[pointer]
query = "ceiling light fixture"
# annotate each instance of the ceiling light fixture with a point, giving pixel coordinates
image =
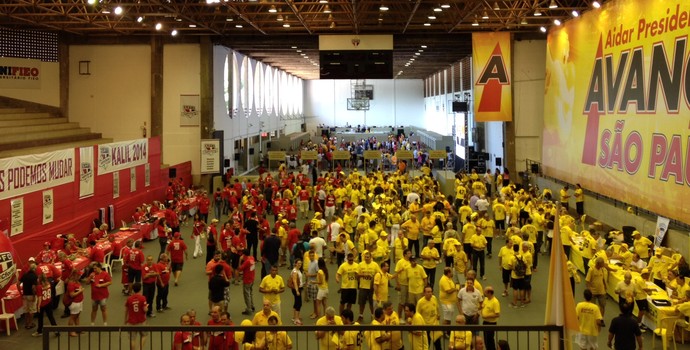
(279, 18)
(496, 7)
(383, 8)
(553, 4)
(557, 22)
(485, 15)
(537, 13)
(332, 25)
(427, 24)
(596, 4)
(330, 17)
(238, 26)
(445, 6)
(475, 23)
(437, 9)
(118, 10)
(423, 46)
(524, 21)
(192, 26)
(327, 9)
(543, 29)
(575, 13)
(229, 19)
(323, 1)
(286, 25)
(91, 2)
(432, 17)
(174, 32)
(105, 11)
(159, 26)
(140, 19)
(272, 9)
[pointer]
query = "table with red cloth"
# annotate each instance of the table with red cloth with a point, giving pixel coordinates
(13, 299)
(147, 230)
(121, 238)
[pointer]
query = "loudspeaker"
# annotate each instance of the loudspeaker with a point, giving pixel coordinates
(447, 149)
(226, 163)
(401, 132)
(459, 106)
(534, 168)
(237, 157)
(172, 173)
(268, 145)
(499, 161)
(251, 151)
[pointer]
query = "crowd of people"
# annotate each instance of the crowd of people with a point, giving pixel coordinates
(381, 231)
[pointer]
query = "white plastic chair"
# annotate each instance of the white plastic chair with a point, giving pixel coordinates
(6, 316)
(105, 265)
(120, 260)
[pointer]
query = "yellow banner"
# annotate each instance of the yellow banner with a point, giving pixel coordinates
(372, 154)
(276, 155)
(341, 155)
(437, 154)
(309, 155)
(616, 105)
(402, 154)
(491, 65)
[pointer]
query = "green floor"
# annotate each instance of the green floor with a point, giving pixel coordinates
(192, 293)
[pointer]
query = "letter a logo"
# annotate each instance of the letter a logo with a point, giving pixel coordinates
(494, 75)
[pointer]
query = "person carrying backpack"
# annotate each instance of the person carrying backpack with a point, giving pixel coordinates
(517, 277)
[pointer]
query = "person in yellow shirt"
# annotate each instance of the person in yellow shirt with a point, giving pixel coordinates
(567, 238)
(378, 339)
(565, 196)
(418, 339)
(277, 340)
(465, 211)
(417, 279)
(459, 262)
(447, 289)
(590, 321)
(504, 261)
(392, 319)
(325, 338)
(413, 228)
(596, 283)
(400, 244)
(271, 287)
(367, 269)
(381, 279)
(478, 243)
(641, 292)
(348, 340)
(428, 307)
(641, 245)
(426, 225)
(402, 282)
(499, 210)
(460, 340)
(430, 259)
(347, 277)
(491, 311)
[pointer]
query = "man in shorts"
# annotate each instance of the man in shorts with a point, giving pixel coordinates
(100, 280)
(367, 269)
(134, 261)
(135, 314)
(447, 295)
(402, 287)
(177, 250)
(347, 277)
(590, 320)
(29, 281)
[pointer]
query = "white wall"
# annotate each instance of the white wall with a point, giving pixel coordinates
(115, 99)
(396, 102)
(529, 62)
(181, 76)
(48, 94)
(494, 143)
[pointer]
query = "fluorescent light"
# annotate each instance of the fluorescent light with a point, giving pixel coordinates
(383, 8)
(543, 29)
(437, 9)
(140, 19)
(423, 46)
(91, 2)
(118, 10)
(475, 23)
(192, 26)
(445, 6)
(485, 15)
(229, 19)
(575, 13)
(279, 18)
(427, 24)
(524, 21)
(238, 26)
(557, 22)
(537, 13)
(596, 4)
(432, 17)
(272, 9)
(553, 4)
(174, 32)
(159, 26)
(286, 25)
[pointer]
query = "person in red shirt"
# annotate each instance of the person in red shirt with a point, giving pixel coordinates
(125, 256)
(163, 232)
(239, 243)
(96, 254)
(211, 240)
(46, 255)
(99, 280)
(76, 300)
(303, 200)
(248, 269)
(204, 205)
(216, 340)
(135, 314)
(226, 199)
(67, 269)
(163, 282)
(45, 304)
(226, 237)
(276, 203)
(291, 211)
(330, 205)
(169, 193)
(178, 254)
(197, 337)
(134, 261)
(183, 340)
(149, 276)
(198, 228)
(292, 238)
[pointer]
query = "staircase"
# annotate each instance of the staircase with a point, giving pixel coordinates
(25, 132)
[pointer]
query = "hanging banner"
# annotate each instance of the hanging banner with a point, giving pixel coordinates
(616, 104)
(147, 175)
(660, 232)
(35, 172)
(86, 172)
(20, 73)
(132, 179)
(491, 66)
(189, 110)
(122, 155)
(210, 156)
(116, 184)
(47, 206)
(17, 216)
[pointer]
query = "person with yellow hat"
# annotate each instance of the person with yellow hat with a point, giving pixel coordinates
(641, 245)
